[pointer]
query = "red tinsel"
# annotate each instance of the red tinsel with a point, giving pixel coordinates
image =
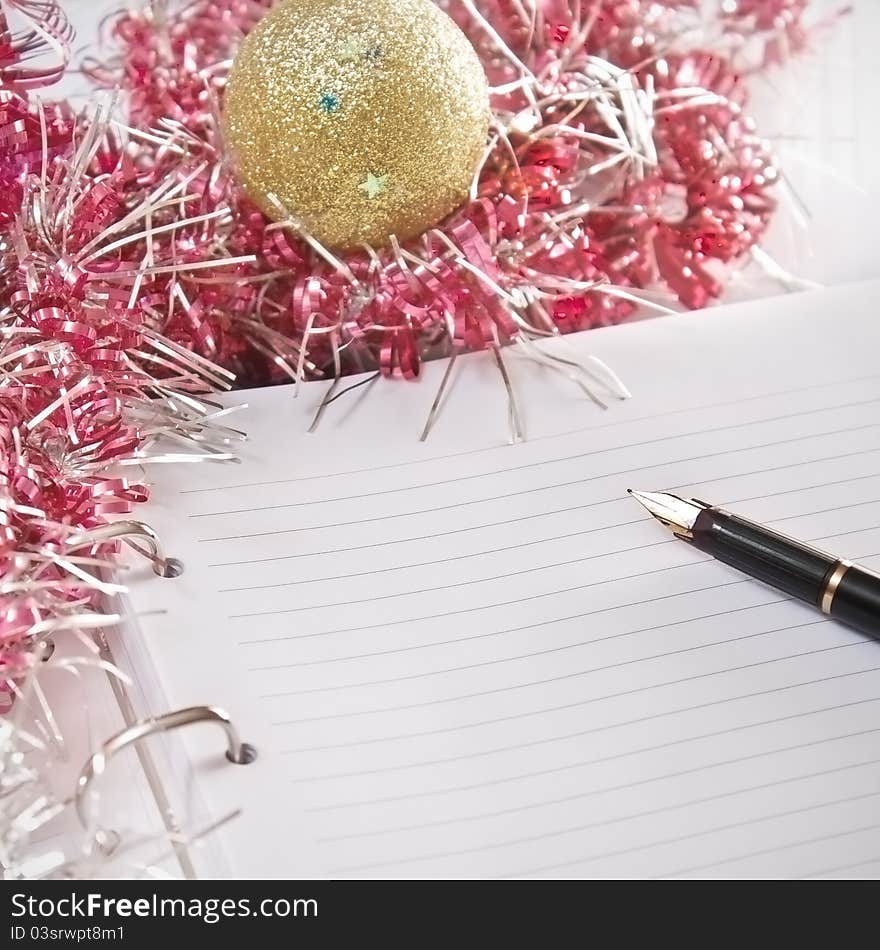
(132, 268)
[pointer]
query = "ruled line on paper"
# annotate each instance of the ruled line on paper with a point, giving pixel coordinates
(532, 571)
(499, 661)
(700, 706)
(766, 851)
(556, 679)
(508, 603)
(434, 563)
(542, 488)
(740, 824)
(547, 622)
(500, 633)
(536, 439)
(840, 868)
(499, 577)
(522, 600)
(592, 453)
(617, 853)
(720, 796)
(336, 776)
(524, 544)
(532, 517)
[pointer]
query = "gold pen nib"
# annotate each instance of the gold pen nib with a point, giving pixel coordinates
(674, 512)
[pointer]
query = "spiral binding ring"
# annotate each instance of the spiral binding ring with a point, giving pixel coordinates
(237, 752)
(130, 532)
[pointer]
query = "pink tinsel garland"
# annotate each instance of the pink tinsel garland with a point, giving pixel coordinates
(132, 269)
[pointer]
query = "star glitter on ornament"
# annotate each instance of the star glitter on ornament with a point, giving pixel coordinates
(330, 102)
(374, 185)
(351, 49)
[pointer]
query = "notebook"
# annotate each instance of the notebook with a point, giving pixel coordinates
(466, 658)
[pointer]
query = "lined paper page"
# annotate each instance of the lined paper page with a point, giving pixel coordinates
(472, 659)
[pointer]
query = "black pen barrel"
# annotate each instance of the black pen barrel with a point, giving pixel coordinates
(783, 563)
(856, 600)
(847, 592)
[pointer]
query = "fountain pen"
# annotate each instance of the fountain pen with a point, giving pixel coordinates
(837, 587)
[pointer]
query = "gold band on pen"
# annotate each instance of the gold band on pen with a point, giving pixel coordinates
(837, 575)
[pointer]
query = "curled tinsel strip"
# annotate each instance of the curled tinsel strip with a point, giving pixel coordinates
(91, 373)
(47, 31)
(620, 161)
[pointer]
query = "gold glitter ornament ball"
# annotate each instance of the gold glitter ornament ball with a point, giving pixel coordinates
(366, 118)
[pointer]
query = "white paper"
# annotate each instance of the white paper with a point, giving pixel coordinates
(472, 659)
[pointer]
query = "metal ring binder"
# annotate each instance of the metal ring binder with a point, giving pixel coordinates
(237, 752)
(128, 531)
